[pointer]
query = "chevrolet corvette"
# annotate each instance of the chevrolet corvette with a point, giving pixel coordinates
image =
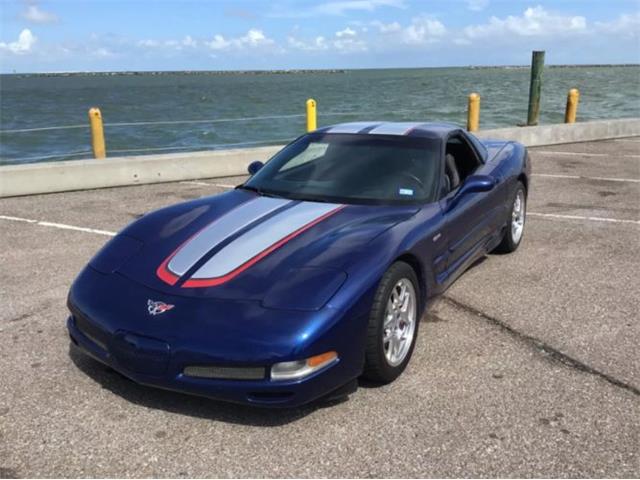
(313, 273)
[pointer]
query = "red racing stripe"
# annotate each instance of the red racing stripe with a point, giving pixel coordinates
(163, 271)
(212, 282)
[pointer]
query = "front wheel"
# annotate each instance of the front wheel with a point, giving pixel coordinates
(393, 324)
(515, 222)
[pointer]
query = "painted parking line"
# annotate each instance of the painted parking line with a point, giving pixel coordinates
(582, 177)
(579, 217)
(61, 226)
(207, 184)
(580, 154)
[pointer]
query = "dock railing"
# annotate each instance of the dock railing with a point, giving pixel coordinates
(98, 140)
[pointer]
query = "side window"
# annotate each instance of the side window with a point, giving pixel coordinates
(460, 162)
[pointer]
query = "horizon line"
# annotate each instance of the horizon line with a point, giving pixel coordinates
(307, 70)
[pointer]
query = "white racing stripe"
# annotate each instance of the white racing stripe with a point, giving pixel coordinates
(227, 225)
(392, 128)
(581, 177)
(578, 217)
(61, 226)
(263, 236)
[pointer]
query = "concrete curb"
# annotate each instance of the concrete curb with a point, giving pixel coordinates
(50, 177)
(566, 132)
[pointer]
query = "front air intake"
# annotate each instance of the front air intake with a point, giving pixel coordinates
(225, 373)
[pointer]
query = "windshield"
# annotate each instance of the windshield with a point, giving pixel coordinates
(352, 168)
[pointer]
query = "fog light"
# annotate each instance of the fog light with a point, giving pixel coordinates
(302, 368)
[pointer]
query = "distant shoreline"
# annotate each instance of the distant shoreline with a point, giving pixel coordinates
(291, 71)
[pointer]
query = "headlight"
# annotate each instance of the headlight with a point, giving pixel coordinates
(304, 289)
(115, 253)
(302, 368)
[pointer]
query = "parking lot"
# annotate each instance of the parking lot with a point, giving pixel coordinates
(527, 367)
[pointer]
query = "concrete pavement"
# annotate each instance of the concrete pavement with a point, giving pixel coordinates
(528, 366)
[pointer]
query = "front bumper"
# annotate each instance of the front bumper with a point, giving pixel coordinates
(158, 366)
(110, 321)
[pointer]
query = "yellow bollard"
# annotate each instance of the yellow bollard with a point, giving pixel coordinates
(572, 106)
(312, 122)
(97, 133)
(473, 113)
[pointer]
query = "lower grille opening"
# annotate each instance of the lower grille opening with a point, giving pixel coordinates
(89, 330)
(269, 396)
(225, 373)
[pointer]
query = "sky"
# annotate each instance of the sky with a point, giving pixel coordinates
(116, 35)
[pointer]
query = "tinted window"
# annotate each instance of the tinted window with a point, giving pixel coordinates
(353, 169)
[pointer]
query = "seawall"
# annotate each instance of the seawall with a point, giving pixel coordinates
(49, 177)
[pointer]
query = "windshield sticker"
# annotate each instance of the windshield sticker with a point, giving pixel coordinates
(405, 191)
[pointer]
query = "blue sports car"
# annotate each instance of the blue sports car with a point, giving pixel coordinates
(311, 274)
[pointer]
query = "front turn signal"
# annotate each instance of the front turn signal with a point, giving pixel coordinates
(297, 369)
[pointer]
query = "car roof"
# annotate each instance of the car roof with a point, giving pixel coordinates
(434, 130)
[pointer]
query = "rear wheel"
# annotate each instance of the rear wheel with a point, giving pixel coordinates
(393, 324)
(515, 223)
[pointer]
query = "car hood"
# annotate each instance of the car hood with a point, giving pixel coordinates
(243, 246)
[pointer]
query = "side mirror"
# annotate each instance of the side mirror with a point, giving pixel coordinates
(254, 167)
(477, 183)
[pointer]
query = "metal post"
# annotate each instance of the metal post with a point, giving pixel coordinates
(572, 106)
(473, 113)
(537, 66)
(312, 123)
(97, 133)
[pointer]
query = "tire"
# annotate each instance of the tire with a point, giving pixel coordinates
(515, 221)
(387, 327)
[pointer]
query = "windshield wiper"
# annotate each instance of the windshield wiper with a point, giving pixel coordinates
(250, 188)
(257, 190)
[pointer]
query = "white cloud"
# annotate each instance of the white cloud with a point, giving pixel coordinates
(254, 38)
(534, 22)
(102, 52)
(148, 43)
(343, 41)
(534, 27)
(339, 7)
(23, 45)
(385, 28)
(477, 5)
(342, 7)
(626, 25)
(423, 30)
(189, 42)
(347, 32)
(347, 41)
(35, 14)
(317, 44)
(218, 43)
